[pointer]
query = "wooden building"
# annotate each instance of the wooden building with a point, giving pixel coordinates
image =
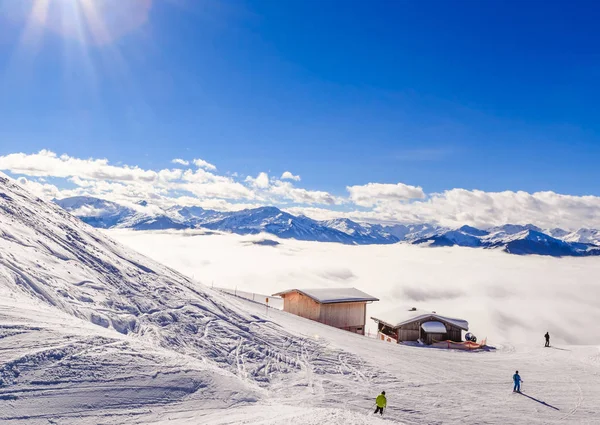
(343, 308)
(426, 327)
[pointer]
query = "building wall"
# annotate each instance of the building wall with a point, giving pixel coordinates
(302, 306)
(408, 335)
(348, 316)
(454, 334)
(430, 338)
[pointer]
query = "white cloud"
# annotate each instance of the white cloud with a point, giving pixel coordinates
(41, 189)
(373, 202)
(497, 306)
(200, 163)
(287, 175)
(46, 163)
(261, 181)
(375, 193)
(302, 196)
(180, 161)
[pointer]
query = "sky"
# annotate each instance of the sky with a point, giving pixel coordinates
(467, 112)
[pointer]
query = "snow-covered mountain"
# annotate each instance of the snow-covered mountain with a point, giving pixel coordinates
(591, 236)
(412, 232)
(362, 233)
(512, 238)
(93, 327)
(96, 212)
(106, 215)
(92, 332)
(282, 224)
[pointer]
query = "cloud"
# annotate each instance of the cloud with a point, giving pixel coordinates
(289, 176)
(200, 163)
(372, 202)
(180, 161)
(47, 163)
(41, 189)
(302, 196)
(414, 293)
(261, 181)
(455, 283)
(375, 193)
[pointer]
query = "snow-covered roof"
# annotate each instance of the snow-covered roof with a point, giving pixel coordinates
(332, 295)
(399, 317)
(434, 327)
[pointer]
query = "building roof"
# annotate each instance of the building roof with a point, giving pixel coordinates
(400, 317)
(434, 327)
(332, 295)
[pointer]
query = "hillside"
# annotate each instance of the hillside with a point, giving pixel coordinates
(92, 332)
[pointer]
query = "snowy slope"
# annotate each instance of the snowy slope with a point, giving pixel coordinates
(589, 236)
(284, 225)
(93, 333)
(50, 259)
(96, 212)
(362, 233)
(513, 239)
(272, 220)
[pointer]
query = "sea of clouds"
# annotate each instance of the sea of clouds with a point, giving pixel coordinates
(507, 298)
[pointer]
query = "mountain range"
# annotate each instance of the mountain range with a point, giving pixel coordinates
(511, 238)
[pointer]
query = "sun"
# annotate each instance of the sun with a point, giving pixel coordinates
(97, 22)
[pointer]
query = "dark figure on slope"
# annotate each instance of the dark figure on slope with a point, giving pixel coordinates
(517, 380)
(381, 403)
(547, 336)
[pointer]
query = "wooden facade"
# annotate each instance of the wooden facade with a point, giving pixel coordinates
(350, 316)
(412, 330)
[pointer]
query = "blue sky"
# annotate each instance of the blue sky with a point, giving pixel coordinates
(490, 96)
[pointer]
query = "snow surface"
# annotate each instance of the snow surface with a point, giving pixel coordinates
(434, 327)
(401, 317)
(332, 295)
(93, 333)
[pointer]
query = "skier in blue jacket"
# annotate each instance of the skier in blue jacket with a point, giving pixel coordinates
(517, 379)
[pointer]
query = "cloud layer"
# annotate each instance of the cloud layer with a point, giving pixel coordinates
(507, 298)
(197, 182)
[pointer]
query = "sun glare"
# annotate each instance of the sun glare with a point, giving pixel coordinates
(98, 22)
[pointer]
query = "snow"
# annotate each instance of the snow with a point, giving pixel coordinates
(513, 239)
(463, 324)
(176, 352)
(399, 317)
(332, 295)
(434, 327)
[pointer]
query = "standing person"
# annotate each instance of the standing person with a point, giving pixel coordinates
(381, 403)
(517, 379)
(547, 336)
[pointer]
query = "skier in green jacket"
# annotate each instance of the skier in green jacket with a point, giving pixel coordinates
(381, 403)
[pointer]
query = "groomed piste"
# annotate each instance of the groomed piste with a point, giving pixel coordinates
(92, 332)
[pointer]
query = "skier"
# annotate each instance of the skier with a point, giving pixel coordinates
(547, 336)
(381, 403)
(517, 379)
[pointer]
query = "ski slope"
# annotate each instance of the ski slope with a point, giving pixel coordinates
(91, 332)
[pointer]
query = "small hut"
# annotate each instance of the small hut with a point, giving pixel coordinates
(343, 308)
(427, 327)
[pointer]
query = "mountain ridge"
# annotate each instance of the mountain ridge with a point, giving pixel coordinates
(518, 239)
